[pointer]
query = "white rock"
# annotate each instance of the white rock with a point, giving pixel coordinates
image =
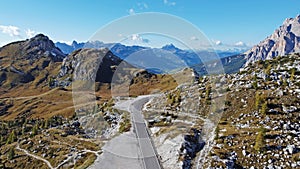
(290, 148)
(286, 127)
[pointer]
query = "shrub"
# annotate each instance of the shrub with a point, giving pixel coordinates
(254, 85)
(268, 70)
(257, 100)
(260, 140)
(11, 154)
(217, 132)
(34, 130)
(292, 74)
(264, 108)
(207, 92)
(11, 138)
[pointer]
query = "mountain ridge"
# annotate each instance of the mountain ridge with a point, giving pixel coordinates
(68, 48)
(27, 61)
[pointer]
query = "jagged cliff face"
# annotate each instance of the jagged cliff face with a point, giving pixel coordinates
(99, 65)
(285, 40)
(87, 61)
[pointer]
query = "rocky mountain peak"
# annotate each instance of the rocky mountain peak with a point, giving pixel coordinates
(76, 45)
(285, 40)
(35, 48)
(42, 45)
(170, 47)
(41, 41)
(29, 62)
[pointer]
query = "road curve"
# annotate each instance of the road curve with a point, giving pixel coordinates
(149, 155)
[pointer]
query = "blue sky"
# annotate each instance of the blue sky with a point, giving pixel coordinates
(229, 21)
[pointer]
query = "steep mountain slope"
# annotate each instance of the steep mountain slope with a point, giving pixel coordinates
(91, 59)
(285, 40)
(260, 117)
(258, 127)
(29, 61)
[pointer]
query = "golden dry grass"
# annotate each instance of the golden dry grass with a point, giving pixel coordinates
(31, 102)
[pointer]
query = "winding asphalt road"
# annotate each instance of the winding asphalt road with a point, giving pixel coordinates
(149, 155)
(133, 149)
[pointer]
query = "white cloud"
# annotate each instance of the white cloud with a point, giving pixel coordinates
(10, 30)
(135, 37)
(167, 2)
(218, 43)
(223, 46)
(30, 33)
(194, 38)
(240, 44)
(138, 38)
(131, 11)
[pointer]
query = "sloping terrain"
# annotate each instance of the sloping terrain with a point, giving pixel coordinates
(258, 127)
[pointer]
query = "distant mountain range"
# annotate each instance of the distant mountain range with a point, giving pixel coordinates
(123, 51)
